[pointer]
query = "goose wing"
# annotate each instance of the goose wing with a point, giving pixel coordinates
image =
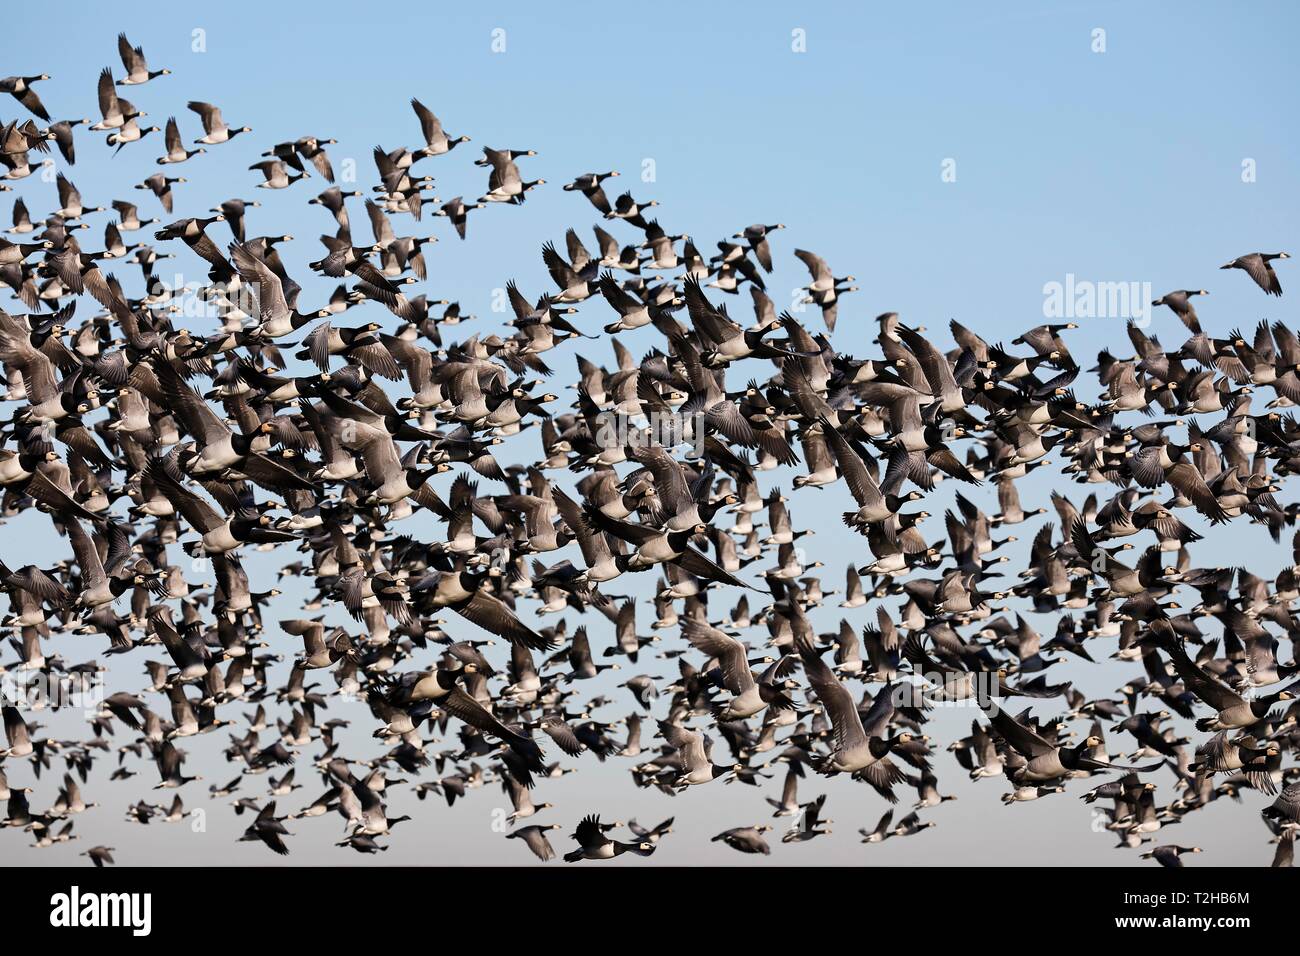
(730, 653)
(689, 744)
(863, 487)
(835, 697)
(491, 614)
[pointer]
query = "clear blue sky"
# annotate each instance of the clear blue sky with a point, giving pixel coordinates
(1124, 165)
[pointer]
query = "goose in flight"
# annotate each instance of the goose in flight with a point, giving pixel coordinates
(594, 845)
(1259, 266)
(215, 130)
(135, 64)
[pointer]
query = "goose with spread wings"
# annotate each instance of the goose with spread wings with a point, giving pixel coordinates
(853, 750)
(1259, 266)
(442, 687)
(1233, 711)
(594, 845)
(461, 590)
(277, 316)
(748, 696)
(726, 341)
(664, 547)
(218, 534)
(221, 453)
(104, 580)
(695, 755)
(1045, 761)
(956, 683)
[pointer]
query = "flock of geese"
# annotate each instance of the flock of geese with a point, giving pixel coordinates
(165, 457)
